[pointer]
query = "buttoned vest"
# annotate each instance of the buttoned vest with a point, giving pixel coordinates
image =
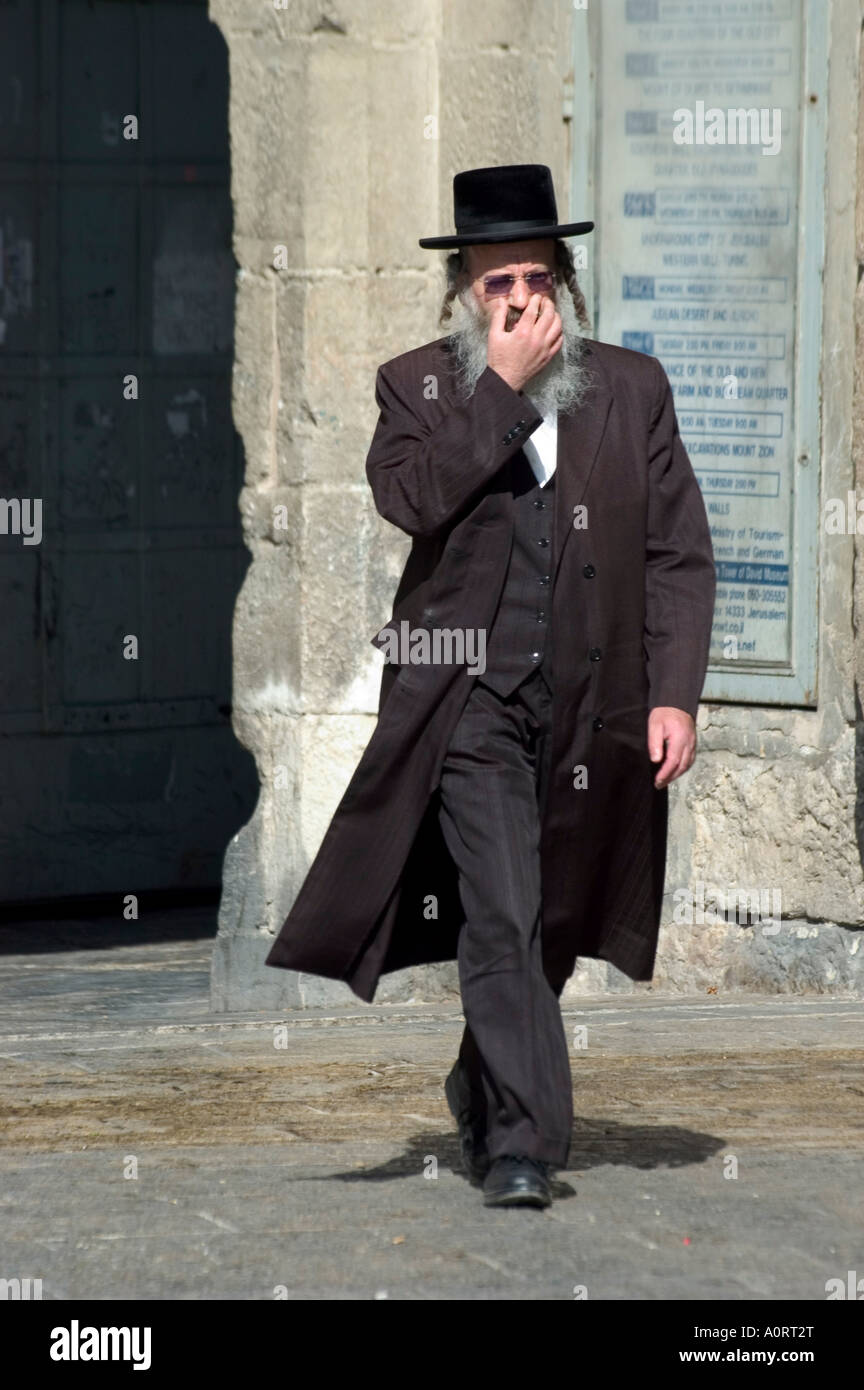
(519, 641)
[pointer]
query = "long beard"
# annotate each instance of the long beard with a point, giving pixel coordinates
(562, 385)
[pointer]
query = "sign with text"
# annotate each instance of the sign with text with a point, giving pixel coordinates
(698, 209)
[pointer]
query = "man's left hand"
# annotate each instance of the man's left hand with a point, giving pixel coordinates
(675, 731)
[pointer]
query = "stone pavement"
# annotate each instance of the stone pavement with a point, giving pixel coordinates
(153, 1150)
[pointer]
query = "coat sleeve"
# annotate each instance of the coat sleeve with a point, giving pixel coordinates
(680, 576)
(422, 477)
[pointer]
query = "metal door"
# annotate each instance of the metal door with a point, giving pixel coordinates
(118, 767)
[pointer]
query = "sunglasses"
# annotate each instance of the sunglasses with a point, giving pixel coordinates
(538, 282)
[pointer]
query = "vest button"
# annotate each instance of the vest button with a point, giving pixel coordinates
(543, 541)
(541, 616)
(594, 654)
(538, 504)
(535, 656)
(544, 580)
(588, 571)
(597, 723)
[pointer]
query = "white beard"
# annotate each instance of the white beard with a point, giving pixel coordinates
(561, 385)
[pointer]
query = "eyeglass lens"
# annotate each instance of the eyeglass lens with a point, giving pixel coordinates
(538, 282)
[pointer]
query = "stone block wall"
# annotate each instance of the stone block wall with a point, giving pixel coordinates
(347, 125)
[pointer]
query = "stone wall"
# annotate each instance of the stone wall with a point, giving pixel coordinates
(773, 801)
(347, 126)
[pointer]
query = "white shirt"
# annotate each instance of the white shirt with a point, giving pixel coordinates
(541, 448)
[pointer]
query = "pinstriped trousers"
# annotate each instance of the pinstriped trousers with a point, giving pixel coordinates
(513, 1060)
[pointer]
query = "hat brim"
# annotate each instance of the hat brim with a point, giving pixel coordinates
(496, 238)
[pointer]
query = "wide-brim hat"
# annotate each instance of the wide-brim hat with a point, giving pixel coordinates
(507, 202)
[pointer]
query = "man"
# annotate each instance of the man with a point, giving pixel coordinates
(507, 812)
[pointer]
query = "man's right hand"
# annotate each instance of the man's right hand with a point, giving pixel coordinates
(519, 355)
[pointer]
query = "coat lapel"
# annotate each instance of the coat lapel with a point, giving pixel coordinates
(579, 438)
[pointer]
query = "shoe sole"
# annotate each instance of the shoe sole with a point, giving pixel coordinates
(518, 1199)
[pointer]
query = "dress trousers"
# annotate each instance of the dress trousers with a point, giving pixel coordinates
(513, 1061)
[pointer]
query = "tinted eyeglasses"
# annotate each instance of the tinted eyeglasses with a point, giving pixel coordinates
(538, 282)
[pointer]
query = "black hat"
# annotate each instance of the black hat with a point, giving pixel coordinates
(509, 202)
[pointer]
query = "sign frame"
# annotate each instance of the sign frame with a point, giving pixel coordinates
(744, 681)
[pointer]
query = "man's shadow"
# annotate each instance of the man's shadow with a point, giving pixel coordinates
(594, 1143)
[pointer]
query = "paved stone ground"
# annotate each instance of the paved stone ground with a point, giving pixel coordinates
(314, 1154)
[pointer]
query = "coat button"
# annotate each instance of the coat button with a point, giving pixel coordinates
(535, 656)
(594, 654)
(588, 571)
(544, 581)
(597, 723)
(543, 541)
(428, 615)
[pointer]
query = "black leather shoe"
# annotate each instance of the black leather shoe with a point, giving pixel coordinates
(514, 1180)
(475, 1159)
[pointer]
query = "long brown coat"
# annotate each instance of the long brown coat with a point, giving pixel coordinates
(632, 605)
